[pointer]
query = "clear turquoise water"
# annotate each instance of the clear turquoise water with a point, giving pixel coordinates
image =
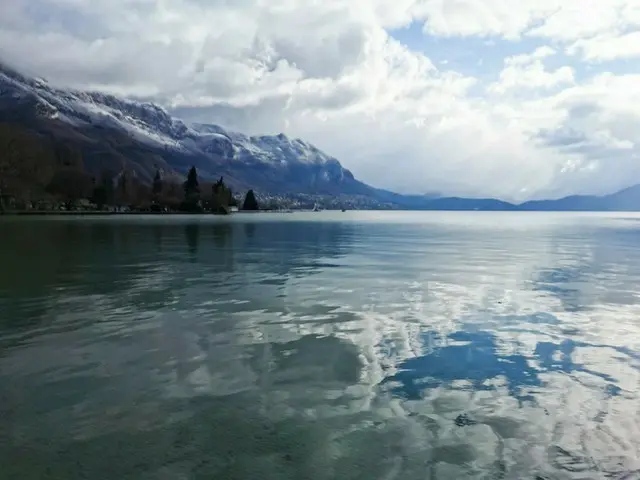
(320, 346)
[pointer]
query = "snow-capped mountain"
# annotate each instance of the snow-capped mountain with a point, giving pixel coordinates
(147, 132)
(46, 129)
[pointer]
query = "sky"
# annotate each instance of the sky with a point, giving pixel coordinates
(510, 99)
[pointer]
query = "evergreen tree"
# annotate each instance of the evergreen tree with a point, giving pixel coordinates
(222, 192)
(218, 186)
(192, 192)
(222, 197)
(191, 186)
(250, 202)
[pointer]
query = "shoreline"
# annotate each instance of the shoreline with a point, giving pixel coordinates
(96, 212)
(84, 213)
(14, 213)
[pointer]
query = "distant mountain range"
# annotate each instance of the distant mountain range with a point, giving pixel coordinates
(624, 200)
(106, 132)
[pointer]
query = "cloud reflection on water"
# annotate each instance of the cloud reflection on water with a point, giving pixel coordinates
(424, 344)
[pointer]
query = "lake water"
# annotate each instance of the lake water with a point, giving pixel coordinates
(354, 345)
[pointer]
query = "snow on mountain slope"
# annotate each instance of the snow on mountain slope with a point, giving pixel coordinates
(152, 125)
(144, 122)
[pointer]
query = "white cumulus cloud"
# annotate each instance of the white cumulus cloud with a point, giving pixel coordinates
(608, 47)
(333, 72)
(524, 72)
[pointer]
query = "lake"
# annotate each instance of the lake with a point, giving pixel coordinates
(355, 345)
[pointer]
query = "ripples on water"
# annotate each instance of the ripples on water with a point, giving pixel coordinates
(321, 346)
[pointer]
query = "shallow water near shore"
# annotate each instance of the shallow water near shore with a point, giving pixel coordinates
(331, 345)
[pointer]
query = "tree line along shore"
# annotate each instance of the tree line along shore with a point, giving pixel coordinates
(123, 193)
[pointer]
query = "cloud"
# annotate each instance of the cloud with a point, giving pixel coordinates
(482, 18)
(560, 20)
(607, 47)
(333, 73)
(524, 72)
(599, 128)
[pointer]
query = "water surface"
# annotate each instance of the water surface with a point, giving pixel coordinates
(320, 346)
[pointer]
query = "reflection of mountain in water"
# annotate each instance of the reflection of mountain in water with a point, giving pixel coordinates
(152, 262)
(250, 262)
(50, 261)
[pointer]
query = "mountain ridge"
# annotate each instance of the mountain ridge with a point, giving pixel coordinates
(108, 132)
(274, 164)
(627, 199)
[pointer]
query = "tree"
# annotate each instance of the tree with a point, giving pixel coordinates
(222, 197)
(222, 193)
(218, 186)
(250, 202)
(191, 186)
(192, 192)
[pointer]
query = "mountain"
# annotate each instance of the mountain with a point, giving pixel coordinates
(624, 200)
(107, 132)
(457, 203)
(51, 136)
